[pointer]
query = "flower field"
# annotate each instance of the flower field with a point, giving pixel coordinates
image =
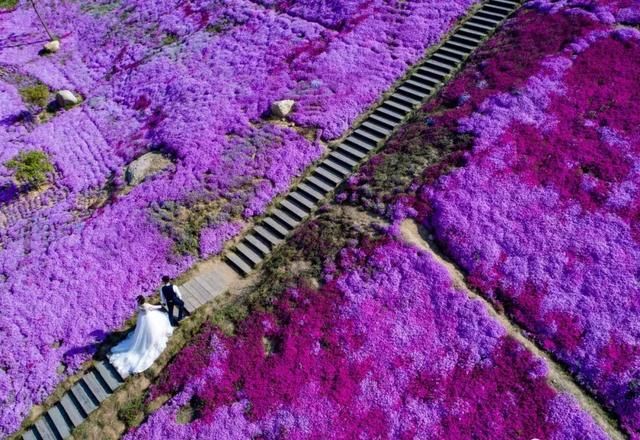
(386, 348)
(190, 80)
(536, 197)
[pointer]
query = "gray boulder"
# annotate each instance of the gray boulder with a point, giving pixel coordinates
(65, 98)
(52, 46)
(282, 108)
(146, 165)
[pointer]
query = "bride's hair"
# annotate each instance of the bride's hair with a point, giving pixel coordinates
(140, 300)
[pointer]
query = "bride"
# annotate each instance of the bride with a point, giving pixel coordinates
(143, 346)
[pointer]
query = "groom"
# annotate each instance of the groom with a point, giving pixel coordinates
(170, 296)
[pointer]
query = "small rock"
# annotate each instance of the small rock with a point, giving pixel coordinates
(145, 166)
(52, 46)
(61, 369)
(65, 98)
(282, 108)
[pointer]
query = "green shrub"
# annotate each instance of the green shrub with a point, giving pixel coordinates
(132, 412)
(37, 94)
(8, 4)
(30, 168)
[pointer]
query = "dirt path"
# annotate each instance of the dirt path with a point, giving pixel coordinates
(559, 378)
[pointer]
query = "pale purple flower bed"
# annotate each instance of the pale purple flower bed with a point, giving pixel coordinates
(543, 213)
(387, 348)
(193, 80)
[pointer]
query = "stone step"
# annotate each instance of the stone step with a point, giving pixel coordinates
(191, 296)
(497, 10)
(426, 89)
(504, 4)
(400, 104)
(434, 71)
(488, 15)
(409, 98)
(343, 159)
(354, 152)
(310, 191)
(73, 411)
(267, 235)
(301, 211)
(478, 25)
(378, 127)
(87, 402)
(328, 175)
(301, 199)
(287, 219)
(445, 59)
(336, 168)
(360, 143)
(109, 375)
(253, 258)
(412, 89)
(61, 424)
(238, 263)
(30, 434)
(45, 430)
(320, 184)
(391, 112)
(258, 244)
(466, 30)
(430, 81)
(98, 391)
(466, 40)
(283, 224)
(464, 46)
(459, 52)
(382, 120)
(196, 292)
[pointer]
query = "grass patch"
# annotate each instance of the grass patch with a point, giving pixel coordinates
(8, 4)
(31, 168)
(132, 412)
(37, 94)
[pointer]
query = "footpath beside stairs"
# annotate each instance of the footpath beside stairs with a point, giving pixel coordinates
(366, 138)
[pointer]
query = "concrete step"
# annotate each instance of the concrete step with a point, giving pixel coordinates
(238, 263)
(45, 430)
(72, 410)
(426, 89)
(98, 391)
(310, 191)
(30, 434)
(398, 103)
(360, 143)
(290, 206)
(461, 46)
(62, 425)
(381, 119)
(109, 375)
(300, 198)
(336, 168)
(253, 258)
(417, 93)
(488, 15)
(382, 129)
(460, 52)
(258, 244)
(442, 57)
(279, 227)
(343, 159)
(328, 175)
(87, 402)
(391, 112)
(288, 220)
(267, 235)
(320, 184)
(354, 152)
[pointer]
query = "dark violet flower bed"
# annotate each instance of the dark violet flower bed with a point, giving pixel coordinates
(387, 348)
(193, 81)
(536, 195)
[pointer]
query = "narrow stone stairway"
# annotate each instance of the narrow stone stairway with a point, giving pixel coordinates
(366, 138)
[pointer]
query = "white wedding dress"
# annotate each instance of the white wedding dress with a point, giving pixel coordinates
(143, 346)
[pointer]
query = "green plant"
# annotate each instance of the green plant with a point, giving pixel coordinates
(132, 412)
(30, 167)
(8, 4)
(37, 94)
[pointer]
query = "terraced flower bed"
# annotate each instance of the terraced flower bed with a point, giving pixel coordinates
(193, 83)
(530, 183)
(387, 347)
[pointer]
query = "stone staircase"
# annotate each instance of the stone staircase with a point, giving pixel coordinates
(367, 137)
